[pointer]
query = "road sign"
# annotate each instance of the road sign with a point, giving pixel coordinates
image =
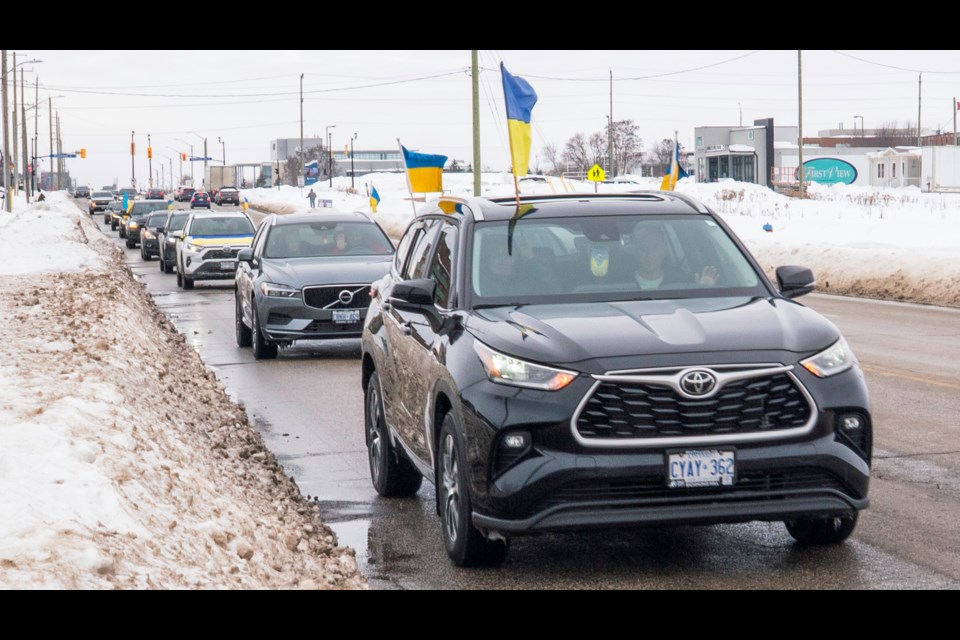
(199, 159)
(596, 174)
(62, 155)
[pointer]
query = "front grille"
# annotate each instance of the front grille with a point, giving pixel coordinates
(220, 254)
(329, 297)
(622, 410)
(769, 485)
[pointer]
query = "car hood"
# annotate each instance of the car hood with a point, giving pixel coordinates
(302, 272)
(622, 334)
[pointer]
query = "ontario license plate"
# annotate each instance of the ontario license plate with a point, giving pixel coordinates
(228, 266)
(707, 468)
(347, 316)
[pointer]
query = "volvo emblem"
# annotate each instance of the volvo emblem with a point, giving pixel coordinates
(346, 297)
(698, 383)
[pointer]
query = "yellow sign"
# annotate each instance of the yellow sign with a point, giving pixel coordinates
(596, 174)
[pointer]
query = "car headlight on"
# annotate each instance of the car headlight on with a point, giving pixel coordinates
(148, 234)
(133, 226)
(273, 290)
(505, 369)
(835, 359)
(192, 247)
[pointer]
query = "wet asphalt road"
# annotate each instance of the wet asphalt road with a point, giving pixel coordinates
(309, 406)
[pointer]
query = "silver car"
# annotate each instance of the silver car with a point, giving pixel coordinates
(308, 277)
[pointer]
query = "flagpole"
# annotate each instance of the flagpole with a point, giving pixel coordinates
(406, 173)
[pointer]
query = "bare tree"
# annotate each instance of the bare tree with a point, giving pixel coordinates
(663, 154)
(627, 146)
(893, 134)
(575, 153)
(552, 156)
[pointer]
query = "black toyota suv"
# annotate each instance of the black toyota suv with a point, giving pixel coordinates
(585, 361)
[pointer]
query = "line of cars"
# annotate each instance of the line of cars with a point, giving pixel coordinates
(571, 362)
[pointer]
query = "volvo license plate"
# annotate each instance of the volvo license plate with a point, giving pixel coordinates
(346, 316)
(701, 468)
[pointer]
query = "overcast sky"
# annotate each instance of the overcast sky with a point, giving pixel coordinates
(248, 98)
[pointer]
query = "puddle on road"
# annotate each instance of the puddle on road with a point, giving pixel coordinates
(354, 534)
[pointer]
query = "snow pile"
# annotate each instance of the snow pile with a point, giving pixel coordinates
(897, 244)
(122, 461)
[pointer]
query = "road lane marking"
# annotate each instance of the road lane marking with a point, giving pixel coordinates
(915, 378)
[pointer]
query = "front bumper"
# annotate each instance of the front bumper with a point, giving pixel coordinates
(151, 246)
(291, 319)
(555, 491)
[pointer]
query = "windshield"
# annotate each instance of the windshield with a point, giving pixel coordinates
(317, 239)
(141, 208)
(103, 194)
(156, 220)
(602, 259)
(178, 221)
(221, 227)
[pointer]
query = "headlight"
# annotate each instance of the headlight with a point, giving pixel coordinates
(193, 247)
(504, 369)
(829, 362)
(171, 241)
(277, 290)
(148, 234)
(132, 226)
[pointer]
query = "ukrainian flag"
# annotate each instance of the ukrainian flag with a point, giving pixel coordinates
(676, 171)
(424, 171)
(374, 199)
(520, 98)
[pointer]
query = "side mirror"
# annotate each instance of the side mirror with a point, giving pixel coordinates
(245, 255)
(795, 281)
(182, 235)
(413, 293)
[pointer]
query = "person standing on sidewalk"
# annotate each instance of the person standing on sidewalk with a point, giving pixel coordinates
(313, 198)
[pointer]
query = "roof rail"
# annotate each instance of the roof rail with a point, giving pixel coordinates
(696, 204)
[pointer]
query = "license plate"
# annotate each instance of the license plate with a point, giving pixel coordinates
(708, 468)
(344, 317)
(228, 266)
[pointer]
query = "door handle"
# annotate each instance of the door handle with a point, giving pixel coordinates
(406, 328)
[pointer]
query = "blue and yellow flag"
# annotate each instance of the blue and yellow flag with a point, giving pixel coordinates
(424, 171)
(374, 199)
(520, 98)
(169, 205)
(676, 171)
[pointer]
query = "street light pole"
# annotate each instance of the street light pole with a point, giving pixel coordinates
(351, 159)
(133, 160)
(149, 163)
(330, 153)
(224, 145)
(8, 201)
(302, 179)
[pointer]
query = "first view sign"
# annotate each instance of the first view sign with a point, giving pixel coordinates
(829, 171)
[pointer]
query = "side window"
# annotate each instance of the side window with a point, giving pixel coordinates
(441, 269)
(404, 247)
(261, 238)
(417, 263)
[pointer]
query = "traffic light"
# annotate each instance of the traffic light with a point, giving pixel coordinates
(183, 156)
(150, 153)
(83, 153)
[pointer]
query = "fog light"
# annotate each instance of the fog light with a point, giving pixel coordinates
(516, 441)
(852, 423)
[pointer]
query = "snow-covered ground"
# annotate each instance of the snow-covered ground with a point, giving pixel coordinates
(123, 463)
(896, 244)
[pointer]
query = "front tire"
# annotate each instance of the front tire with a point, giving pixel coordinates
(262, 348)
(393, 476)
(187, 283)
(465, 545)
(244, 335)
(817, 531)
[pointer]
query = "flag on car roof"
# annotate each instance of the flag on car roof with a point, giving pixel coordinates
(520, 99)
(374, 199)
(676, 171)
(424, 171)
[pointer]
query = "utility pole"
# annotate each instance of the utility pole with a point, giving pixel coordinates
(476, 121)
(351, 158)
(302, 178)
(52, 173)
(36, 124)
(800, 116)
(610, 166)
(919, 99)
(15, 160)
(150, 163)
(954, 120)
(23, 119)
(59, 154)
(8, 202)
(133, 157)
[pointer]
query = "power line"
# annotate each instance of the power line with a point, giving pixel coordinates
(889, 66)
(647, 77)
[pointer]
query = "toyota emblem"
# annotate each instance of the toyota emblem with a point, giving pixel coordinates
(346, 297)
(698, 383)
